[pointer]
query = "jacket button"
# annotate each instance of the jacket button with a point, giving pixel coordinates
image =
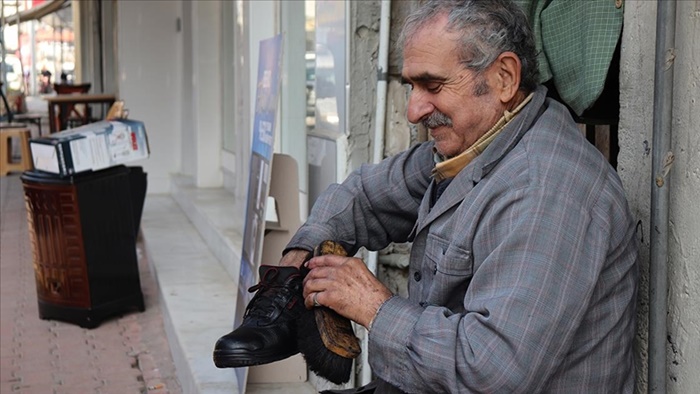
(416, 276)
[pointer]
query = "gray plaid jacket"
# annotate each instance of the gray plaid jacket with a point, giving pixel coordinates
(523, 275)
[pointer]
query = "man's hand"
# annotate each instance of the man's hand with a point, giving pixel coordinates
(345, 285)
(294, 257)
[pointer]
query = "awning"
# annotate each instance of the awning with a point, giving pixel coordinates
(37, 12)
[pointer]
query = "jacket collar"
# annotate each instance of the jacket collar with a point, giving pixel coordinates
(484, 163)
(449, 168)
(509, 137)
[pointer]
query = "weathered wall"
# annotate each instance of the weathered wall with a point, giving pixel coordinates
(636, 117)
(364, 47)
(364, 50)
(634, 159)
(684, 225)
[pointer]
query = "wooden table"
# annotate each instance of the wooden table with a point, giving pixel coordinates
(61, 105)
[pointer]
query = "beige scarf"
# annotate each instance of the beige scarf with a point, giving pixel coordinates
(450, 167)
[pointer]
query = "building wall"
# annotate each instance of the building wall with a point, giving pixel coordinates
(684, 227)
(150, 68)
(362, 70)
(636, 118)
(169, 68)
(206, 92)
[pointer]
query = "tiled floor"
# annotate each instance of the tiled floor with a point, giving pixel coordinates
(126, 354)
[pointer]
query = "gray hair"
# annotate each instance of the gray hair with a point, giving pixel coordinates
(488, 28)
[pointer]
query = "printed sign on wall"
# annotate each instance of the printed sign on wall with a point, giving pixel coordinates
(267, 96)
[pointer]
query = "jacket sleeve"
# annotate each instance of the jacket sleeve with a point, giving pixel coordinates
(376, 204)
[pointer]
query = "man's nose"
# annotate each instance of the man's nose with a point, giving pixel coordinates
(418, 107)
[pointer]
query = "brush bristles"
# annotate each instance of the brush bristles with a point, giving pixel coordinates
(319, 359)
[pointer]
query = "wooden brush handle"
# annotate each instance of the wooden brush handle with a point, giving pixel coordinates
(336, 331)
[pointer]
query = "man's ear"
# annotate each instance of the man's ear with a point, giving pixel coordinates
(506, 74)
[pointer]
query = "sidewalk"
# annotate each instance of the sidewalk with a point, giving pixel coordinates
(126, 354)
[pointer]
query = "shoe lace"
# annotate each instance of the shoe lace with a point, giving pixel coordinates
(261, 305)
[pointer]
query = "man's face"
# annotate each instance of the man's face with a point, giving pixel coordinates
(454, 103)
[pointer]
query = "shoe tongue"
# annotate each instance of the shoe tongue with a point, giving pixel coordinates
(275, 274)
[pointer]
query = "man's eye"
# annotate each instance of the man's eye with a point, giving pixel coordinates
(433, 87)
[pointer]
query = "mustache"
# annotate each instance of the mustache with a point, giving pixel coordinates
(437, 119)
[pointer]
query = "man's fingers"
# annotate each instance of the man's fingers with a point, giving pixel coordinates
(311, 300)
(315, 285)
(328, 260)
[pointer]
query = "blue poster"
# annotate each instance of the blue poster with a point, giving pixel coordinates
(267, 96)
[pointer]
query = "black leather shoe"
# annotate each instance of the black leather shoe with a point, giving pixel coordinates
(268, 331)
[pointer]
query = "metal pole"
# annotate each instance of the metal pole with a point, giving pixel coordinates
(32, 54)
(662, 158)
(378, 151)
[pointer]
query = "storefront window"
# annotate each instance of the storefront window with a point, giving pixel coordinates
(326, 126)
(329, 79)
(40, 49)
(235, 86)
(310, 29)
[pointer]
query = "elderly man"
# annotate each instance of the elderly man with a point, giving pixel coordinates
(523, 269)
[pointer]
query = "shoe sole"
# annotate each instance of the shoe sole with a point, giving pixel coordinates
(228, 359)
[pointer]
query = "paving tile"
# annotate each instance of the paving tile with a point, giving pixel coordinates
(43, 388)
(8, 373)
(77, 387)
(125, 354)
(30, 365)
(38, 379)
(78, 366)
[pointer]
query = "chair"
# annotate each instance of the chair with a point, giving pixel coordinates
(11, 117)
(7, 164)
(75, 116)
(117, 111)
(20, 113)
(29, 117)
